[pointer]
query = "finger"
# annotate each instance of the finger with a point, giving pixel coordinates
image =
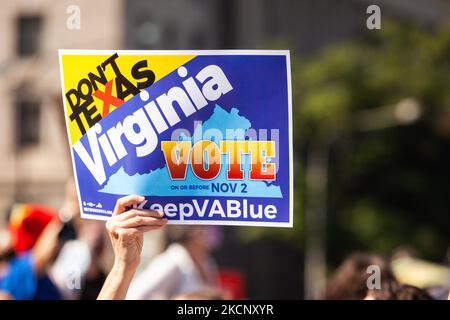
(136, 231)
(139, 221)
(139, 212)
(123, 203)
(140, 229)
(149, 228)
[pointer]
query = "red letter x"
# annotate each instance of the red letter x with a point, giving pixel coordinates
(107, 98)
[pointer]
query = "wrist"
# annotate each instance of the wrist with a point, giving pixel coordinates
(117, 282)
(123, 269)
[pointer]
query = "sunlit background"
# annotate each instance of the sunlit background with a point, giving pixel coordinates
(371, 123)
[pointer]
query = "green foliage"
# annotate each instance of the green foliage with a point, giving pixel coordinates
(387, 188)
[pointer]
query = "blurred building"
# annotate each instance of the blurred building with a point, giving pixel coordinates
(180, 24)
(34, 157)
(309, 25)
(301, 25)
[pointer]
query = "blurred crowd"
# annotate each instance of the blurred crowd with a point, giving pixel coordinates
(48, 254)
(373, 277)
(54, 254)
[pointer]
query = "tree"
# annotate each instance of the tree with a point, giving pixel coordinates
(387, 187)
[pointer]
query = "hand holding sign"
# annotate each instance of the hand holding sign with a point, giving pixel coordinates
(126, 229)
(205, 136)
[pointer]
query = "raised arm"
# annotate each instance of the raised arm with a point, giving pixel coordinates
(46, 246)
(126, 228)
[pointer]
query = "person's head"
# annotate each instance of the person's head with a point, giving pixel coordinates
(203, 237)
(26, 224)
(349, 281)
(407, 292)
(392, 290)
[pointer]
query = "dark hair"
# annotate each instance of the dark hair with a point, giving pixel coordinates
(388, 291)
(349, 281)
(407, 292)
(391, 290)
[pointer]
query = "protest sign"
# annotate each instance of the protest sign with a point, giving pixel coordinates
(205, 136)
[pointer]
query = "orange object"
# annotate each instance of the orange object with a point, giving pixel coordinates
(26, 224)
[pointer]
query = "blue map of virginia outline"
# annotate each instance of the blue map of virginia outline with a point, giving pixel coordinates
(158, 183)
